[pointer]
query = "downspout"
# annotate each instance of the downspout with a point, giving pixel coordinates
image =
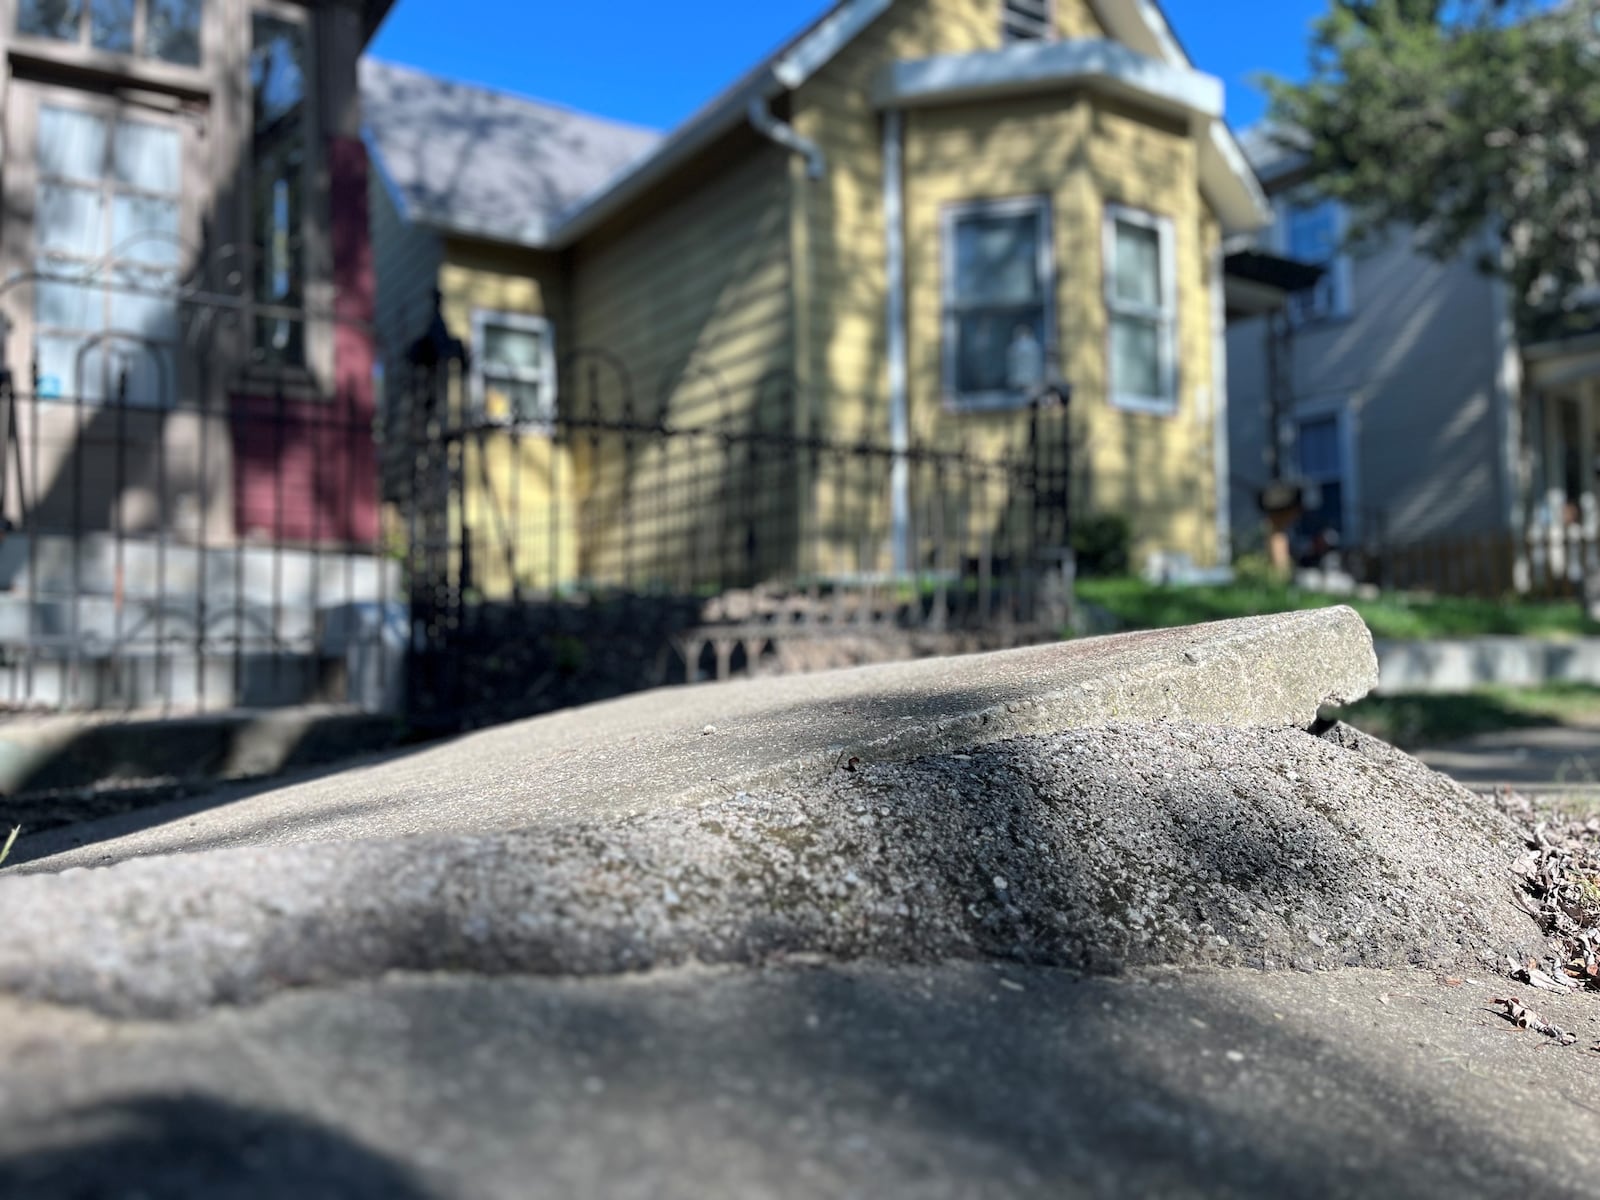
(785, 135)
(1221, 463)
(895, 318)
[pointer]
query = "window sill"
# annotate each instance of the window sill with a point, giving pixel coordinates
(1145, 405)
(986, 402)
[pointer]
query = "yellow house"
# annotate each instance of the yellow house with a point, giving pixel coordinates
(893, 232)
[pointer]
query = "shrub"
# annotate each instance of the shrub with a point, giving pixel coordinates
(1100, 544)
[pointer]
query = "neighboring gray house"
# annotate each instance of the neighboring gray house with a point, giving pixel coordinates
(1397, 383)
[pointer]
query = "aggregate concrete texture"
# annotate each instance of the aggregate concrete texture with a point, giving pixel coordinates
(877, 908)
(704, 742)
(946, 1081)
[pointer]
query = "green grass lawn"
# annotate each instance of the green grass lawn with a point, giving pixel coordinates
(1414, 720)
(1139, 605)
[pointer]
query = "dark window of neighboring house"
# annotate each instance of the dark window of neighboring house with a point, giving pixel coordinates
(1313, 232)
(171, 28)
(278, 159)
(1321, 457)
(513, 368)
(1025, 20)
(997, 287)
(107, 213)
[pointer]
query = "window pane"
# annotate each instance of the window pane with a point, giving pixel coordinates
(67, 305)
(277, 80)
(277, 68)
(147, 156)
(513, 400)
(50, 18)
(1314, 233)
(149, 316)
(148, 370)
(1319, 448)
(1136, 357)
(987, 347)
(997, 259)
(521, 349)
(72, 144)
(172, 31)
(111, 25)
(69, 220)
(144, 230)
(1137, 272)
(65, 372)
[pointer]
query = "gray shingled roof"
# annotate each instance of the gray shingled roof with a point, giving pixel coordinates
(1263, 146)
(472, 160)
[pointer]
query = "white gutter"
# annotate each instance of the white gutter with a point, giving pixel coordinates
(895, 273)
(785, 73)
(785, 135)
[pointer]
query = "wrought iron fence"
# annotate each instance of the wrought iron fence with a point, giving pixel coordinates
(180, 533)
(704, 530)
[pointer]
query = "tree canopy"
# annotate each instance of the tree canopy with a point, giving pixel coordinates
(1457, 117)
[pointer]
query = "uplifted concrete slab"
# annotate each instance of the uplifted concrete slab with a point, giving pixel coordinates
(706, 742)
(941, 1082)
(1104, 849)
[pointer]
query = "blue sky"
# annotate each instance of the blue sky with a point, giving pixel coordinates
(653, 64)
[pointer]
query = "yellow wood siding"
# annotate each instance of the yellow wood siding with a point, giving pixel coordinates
(693, 302)
(1078, 151)
(519, 490)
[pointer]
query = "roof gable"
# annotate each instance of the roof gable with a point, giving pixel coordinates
(550, 195)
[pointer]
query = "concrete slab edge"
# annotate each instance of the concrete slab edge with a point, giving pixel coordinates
(1267, 672)
(170, 935)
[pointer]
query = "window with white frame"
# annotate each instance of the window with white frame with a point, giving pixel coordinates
(1321, 454)
(164, 30)
(1025, 21)
(1142, 310)
(998, 283)
(513, 368)
(1313, 231)
(107, 213)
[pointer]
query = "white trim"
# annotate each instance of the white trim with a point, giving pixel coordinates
(1507, 393)
(544, 376)
(1343, 411)
(1166, 313)
(949, 217)
(895, 316)
(1230, 184)
(1220, 450)
(817, 48)
(1026, 66)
